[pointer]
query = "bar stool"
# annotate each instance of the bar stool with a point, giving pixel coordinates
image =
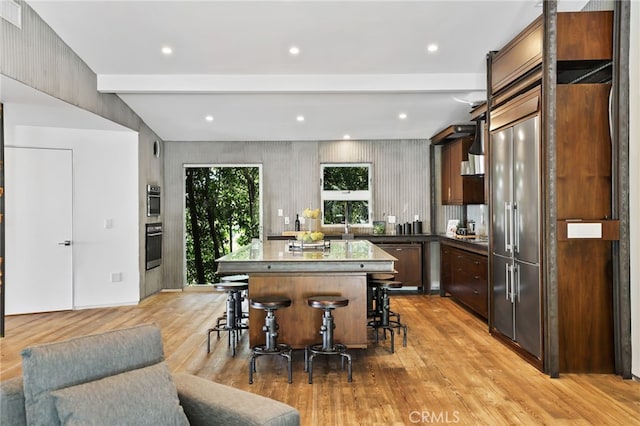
(240, 314)
(374, 307)
(327, 347)
(231, 320)
(383, 320)
(271, 347)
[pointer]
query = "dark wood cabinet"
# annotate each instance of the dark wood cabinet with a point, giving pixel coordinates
(409, 264)
(458, 189)
(463, 276)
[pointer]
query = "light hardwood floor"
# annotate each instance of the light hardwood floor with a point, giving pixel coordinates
(452, 371)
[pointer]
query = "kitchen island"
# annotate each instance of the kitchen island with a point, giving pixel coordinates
(339, 269)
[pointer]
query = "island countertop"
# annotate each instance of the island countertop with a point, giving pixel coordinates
(278, 256)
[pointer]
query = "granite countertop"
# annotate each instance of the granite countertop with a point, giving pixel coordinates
(366, 236)
(276, 256)
(478, 245)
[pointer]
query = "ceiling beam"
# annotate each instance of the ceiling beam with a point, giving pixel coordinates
(279, 83)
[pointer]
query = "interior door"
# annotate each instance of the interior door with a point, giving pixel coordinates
(38, 230)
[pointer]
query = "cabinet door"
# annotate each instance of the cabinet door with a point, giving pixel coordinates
(455, 179)
(409, 264)
(445, 269)
(446, 174)
(457, 189)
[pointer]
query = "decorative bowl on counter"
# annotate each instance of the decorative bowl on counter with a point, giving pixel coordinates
(309, 245)
(308, 237)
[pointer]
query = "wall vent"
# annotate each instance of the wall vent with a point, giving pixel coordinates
(11, 12)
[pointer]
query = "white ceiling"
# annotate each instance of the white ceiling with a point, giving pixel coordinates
(361, 63)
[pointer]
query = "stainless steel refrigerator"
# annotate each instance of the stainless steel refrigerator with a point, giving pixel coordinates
(515, 257)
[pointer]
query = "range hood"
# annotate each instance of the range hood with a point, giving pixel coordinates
(452, 132)
(475, 164)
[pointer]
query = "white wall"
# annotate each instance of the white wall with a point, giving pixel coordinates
(105, 180)
(634, 183)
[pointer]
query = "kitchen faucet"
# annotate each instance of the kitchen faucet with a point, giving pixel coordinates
(346, 217)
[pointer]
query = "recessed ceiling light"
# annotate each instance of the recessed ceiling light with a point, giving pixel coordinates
(294, 50)
(346, 137)
(402, 116)
(167, 50)
(300, 118)
(432, 48)
(209, 118)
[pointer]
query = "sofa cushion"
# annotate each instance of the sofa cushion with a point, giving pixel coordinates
(12, 403)
(59, 365)
(146, 396)
(206, 402)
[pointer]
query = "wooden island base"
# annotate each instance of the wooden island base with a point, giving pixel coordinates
(300, 323)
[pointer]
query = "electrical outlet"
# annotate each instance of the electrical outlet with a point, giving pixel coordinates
(391, 219)
(286, 220)
(416, 217)
(116, 277)
(279, 212)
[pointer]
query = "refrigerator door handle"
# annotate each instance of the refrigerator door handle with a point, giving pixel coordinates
(516, 273)
(514, 231)
(513, 283)
(508, 220)
(507, 278)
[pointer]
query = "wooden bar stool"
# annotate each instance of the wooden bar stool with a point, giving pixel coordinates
(270, 304)
(328, 346)
(231, 320)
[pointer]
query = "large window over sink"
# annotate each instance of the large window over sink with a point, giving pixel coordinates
(346, 193)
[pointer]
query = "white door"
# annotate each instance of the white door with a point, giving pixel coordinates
(38, 224)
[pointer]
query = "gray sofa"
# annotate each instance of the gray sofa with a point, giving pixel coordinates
(120, 378)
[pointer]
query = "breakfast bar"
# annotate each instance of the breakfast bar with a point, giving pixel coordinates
(284, 268)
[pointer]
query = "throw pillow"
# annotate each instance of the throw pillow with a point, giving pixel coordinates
(146, 396)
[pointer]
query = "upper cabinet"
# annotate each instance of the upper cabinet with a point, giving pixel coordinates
(578, 61)
(518, 57)
(456, 188)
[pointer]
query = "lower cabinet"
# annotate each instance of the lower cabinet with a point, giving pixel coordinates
(409, 264)
(463, 275)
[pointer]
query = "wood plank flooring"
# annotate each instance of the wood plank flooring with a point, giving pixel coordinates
(452, 370)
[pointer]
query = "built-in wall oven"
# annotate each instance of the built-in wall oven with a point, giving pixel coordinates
(153, 200)
(153, 243)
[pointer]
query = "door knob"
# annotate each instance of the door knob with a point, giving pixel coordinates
(65, 243)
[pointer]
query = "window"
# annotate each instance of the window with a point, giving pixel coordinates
(346, 187)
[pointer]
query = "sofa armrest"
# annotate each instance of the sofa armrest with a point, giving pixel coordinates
(12, 403)
(206, 403)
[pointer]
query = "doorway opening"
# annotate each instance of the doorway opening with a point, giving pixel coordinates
(223, 211)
